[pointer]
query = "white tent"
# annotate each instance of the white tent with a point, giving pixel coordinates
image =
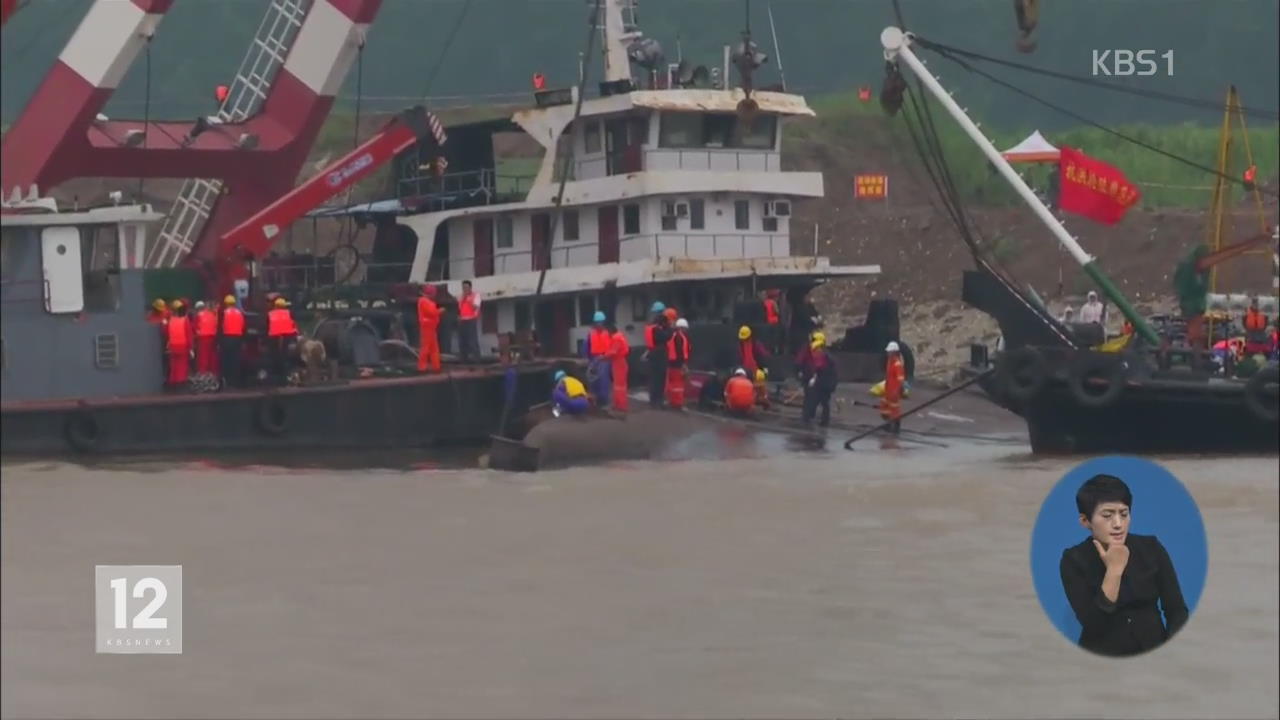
(1033, 149)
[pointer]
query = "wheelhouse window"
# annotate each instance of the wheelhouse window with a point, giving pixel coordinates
(100, 260)
(631, 219)
(570, 223)
(680, 130)
(716, 130)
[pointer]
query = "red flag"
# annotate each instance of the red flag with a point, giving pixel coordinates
(1093, 188)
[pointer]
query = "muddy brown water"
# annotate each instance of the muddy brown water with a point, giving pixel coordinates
(763, 580)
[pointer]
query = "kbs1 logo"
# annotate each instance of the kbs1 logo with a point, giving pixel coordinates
(1125, 63)
(138, 608)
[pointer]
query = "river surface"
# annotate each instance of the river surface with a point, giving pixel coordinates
(761, 579)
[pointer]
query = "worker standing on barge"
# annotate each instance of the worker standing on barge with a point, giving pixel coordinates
(179, 344)
(428, 331)
(280, 331)
(656, 335)
(598, 376)
(206, 322)
(468, 323)
(230, 341)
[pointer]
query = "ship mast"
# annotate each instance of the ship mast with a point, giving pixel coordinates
(617, 29)
(897, 46)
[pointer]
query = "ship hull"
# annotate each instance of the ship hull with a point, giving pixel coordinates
(462, 406)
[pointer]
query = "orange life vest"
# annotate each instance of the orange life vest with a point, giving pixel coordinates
(599, 342)
(206, 323)
(649, 330)
(467, 307)
(685, 350)
(280, 323)
(232, 322)
(1255, 320)
(179, 332)
(771, 312)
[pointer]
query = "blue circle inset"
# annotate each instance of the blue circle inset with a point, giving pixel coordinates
(1161, 507)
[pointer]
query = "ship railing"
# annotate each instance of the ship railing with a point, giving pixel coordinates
(326, 271)
(467, 188)
(722, 159)
(503, 262)
(705, 246)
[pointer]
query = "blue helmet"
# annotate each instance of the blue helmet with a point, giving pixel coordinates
(598, 317)
(559, 375)
(657, 308)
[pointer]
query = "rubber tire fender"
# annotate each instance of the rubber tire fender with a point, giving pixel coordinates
(1086, 365)
(1264, 407)
(83, 432)
(1023, 373)
(271, 416)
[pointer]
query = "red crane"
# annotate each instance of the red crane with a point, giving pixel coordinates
(251, 239)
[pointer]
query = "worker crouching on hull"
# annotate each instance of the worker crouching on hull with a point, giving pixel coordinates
(570, 395)
(739, 393)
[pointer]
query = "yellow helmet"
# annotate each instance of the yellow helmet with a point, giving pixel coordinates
(229, 300)
(176, 304)
(281, 302)
(158, 304)
(744, 332)
(818, 339)
(760, 376)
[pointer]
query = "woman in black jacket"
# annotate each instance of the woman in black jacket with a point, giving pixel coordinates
(1114, 580)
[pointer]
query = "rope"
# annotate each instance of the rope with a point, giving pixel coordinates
(444, 49)
(1100, 126)
(848, 445)
(568, 156)
(1153, 94)
(146, 115)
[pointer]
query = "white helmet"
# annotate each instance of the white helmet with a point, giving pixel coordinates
(682, 324)
(891, 347)
(740, 372)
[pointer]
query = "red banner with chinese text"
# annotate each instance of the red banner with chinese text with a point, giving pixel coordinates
(1093, 188)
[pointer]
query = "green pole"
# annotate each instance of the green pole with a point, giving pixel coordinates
(1140, 324)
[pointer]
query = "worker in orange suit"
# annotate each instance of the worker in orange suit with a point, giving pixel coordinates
(206, 322)
(230, 341)
(619, 354)
(599, 341)
(281, 330)
(179, 344)
(428, 331)
(739, 393)
(678, 352)
(894, 376)
(1255, 328)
